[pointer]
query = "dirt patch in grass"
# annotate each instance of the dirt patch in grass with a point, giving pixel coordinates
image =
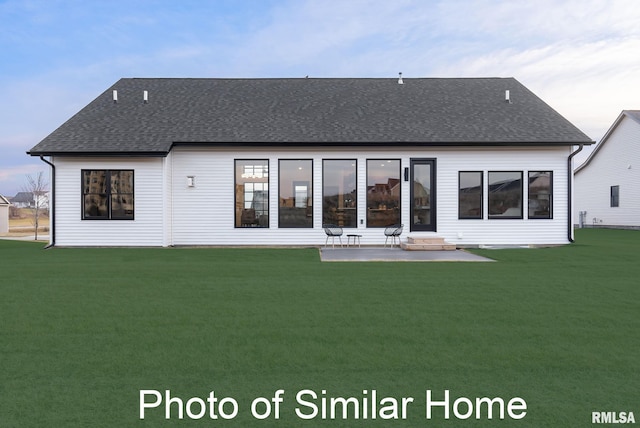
(24, 222)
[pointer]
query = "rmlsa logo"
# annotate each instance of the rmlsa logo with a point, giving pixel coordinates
(612, 418)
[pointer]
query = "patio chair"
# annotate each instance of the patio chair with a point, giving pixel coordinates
(394, 233)
(332, 232)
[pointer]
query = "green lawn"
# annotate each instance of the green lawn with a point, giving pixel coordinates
(82, 331)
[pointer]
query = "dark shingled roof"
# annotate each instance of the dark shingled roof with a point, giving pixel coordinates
(23, 197)
(469, 111)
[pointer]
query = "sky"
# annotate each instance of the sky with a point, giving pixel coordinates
(581, 57)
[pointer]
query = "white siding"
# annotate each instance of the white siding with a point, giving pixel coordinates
(617, 163)
(145, 230)
(204, 214)
(4, 218)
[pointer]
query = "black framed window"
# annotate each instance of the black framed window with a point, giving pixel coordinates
(295, 200)
(470, 194)
(383, 192)
(339, 192)
(505, 194)
(422, 176)
(615, 196)
(252, 193)
(107, 194)
(540, 194)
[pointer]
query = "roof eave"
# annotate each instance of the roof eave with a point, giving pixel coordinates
(381, 143)
(254, 144)
(100, 154)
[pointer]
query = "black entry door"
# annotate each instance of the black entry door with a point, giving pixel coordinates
(423, 194)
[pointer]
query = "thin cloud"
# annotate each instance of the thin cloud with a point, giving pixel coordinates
(13, 179)
(323, 36)
(577, 55)
(22, 169)
(587, 83)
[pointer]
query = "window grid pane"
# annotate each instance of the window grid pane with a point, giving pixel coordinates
(339, 193)
(107, 194)
(295, 201)
(505, 194)
(540, 194)
(252, 193)
(383, 192)
(470, 195)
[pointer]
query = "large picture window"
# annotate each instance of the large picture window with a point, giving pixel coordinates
(383, 192)
(470, 194)
(107, 194)
(505, 194)
(339, 193)
(252, 193)
(540, 194)
(295, 202)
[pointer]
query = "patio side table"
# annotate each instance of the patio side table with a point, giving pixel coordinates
(355, 237)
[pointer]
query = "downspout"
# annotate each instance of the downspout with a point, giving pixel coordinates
(52, 204)
(570, 192)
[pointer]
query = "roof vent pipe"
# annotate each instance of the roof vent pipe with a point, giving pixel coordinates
(507, 96)
(115, 96)
(400, 82)
(145, 96)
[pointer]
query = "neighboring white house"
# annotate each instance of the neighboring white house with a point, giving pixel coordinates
(23, 200)
(607, 184)
(4, 215)
(161, 162)
(30, 200)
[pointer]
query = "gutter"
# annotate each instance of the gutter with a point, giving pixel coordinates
(570, 192)
(52, 205)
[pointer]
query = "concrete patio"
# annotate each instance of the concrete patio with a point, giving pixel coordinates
(381, 254)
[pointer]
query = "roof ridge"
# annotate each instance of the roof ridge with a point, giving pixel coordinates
(322, 78)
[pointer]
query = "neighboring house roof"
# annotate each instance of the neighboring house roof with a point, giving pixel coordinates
(4, 201)
(631, 114)
(22, 197)
(456, 111)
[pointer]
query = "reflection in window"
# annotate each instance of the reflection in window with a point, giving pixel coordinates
(107, 195)
(505, 194)
(383, 192)
(540, 194)
(422, 213)
(470, 195)
(339, 196)
(295, 202)
(252, 193)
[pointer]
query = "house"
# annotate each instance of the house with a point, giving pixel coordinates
(30, 200)
(607, 184)
(176, 161)
(4, 215)
(23, 200)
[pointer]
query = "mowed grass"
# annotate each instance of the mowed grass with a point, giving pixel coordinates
(82, 331)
